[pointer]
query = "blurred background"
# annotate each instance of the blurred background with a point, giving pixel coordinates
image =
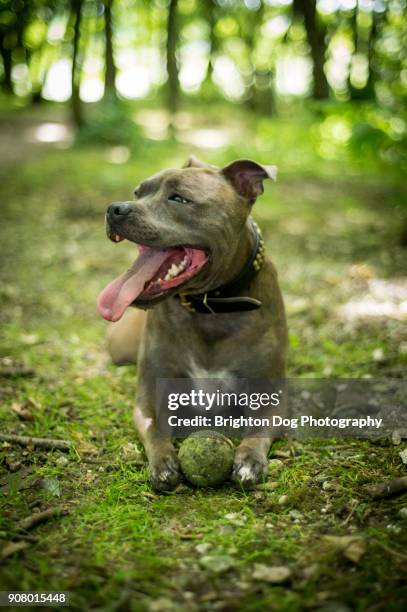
(96, 96)
(120, 70)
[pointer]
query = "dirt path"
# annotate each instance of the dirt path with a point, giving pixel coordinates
(23, 136)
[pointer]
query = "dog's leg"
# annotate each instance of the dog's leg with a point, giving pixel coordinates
(163, 465)
(123, 337)
(250, 464)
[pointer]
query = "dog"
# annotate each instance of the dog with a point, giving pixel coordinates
(210, 301)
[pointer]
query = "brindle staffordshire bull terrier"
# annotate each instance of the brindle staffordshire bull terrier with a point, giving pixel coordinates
(214, 305)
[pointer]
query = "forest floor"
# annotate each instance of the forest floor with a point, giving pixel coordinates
(334, 236)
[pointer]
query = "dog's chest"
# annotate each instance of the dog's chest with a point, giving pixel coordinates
(196, 370)
(208, 346)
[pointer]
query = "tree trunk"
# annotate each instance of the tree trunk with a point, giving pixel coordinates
(76, 63)
(368, 92)
(38, 76)
(6, 56)
(316, 33)
(172, 68)
(210, 17)
(110, 68)
(355, 40)
(260, 96)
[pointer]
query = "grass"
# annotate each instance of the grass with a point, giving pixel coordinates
(329, 228)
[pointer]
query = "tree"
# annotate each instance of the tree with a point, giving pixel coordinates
(210, 17)
(6, 56)
(365, 42)
(110, 67)
(172, 67)
(316, 35)
(368, 91)
(15, 18)
(260, 90)
(76, 9)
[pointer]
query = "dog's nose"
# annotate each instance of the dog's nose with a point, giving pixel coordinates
(118, 209)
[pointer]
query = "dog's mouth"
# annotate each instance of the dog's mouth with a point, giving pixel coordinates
(154, 273)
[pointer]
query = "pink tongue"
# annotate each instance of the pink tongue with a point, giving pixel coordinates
(120, 293)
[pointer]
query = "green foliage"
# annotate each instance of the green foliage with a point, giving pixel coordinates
(366, 135)
(109, 124)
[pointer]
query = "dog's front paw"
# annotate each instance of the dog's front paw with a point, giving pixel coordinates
(249, 468)
(165, 472)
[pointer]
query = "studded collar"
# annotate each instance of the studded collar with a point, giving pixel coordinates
(227, 298)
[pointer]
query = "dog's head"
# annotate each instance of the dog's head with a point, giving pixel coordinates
(185, 223)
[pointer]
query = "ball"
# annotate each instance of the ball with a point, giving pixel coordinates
(206, 458)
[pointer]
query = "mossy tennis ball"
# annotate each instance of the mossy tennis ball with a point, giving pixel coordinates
(206, 458)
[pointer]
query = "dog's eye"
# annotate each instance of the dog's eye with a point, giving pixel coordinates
(175, 197)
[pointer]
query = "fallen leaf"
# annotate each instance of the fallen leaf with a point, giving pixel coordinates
(203, 548)
(62, 461)
(236, 519)
(274, 574)
(83, 446)
(22, 411)
(217, 563)
(352, 547)
(403, 456)
(52, 486)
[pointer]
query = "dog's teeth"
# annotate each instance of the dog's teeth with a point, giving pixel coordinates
(175, 269)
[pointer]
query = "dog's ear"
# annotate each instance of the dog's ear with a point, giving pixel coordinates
(194, 162)
(247, 177)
